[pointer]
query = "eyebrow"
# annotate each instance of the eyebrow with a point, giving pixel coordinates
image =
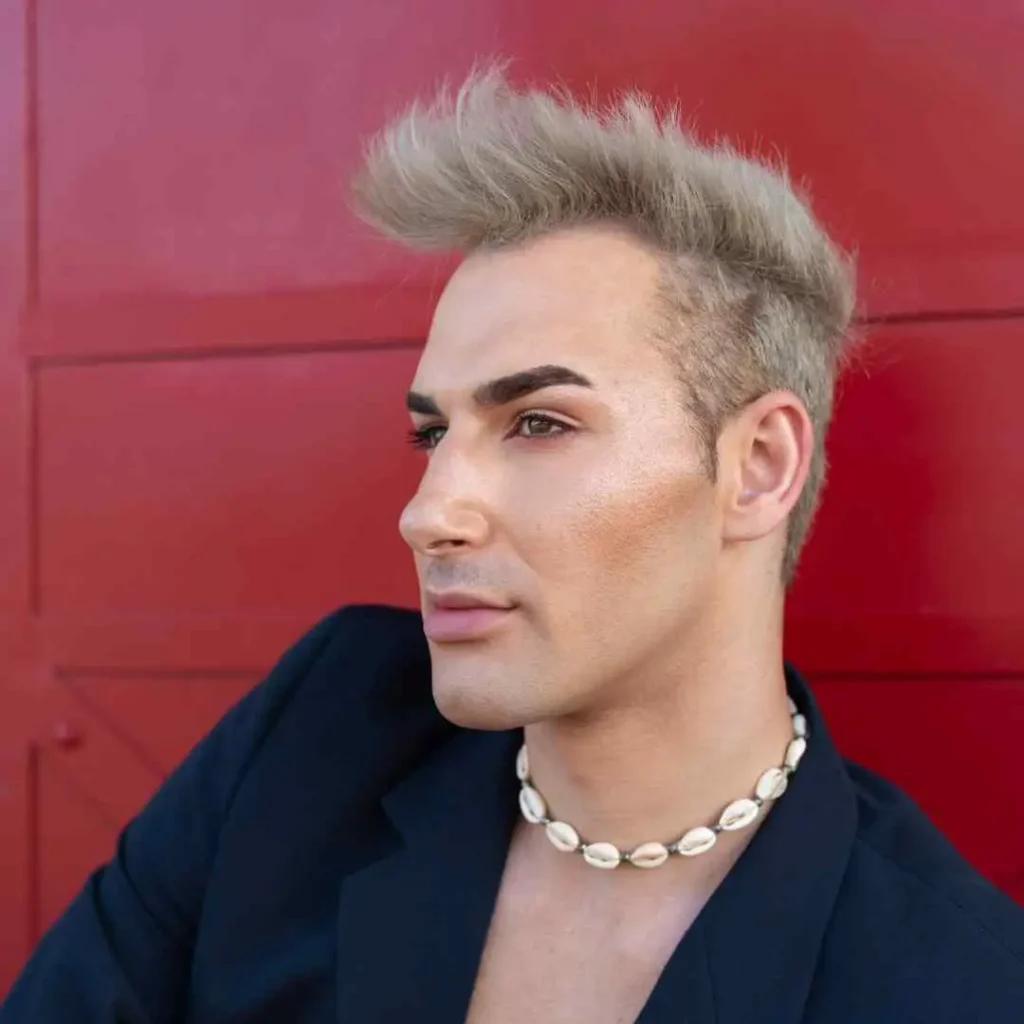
(503, 390)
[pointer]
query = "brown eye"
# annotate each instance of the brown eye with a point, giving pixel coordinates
(536, 425)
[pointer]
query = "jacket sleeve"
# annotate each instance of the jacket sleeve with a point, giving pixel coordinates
(121, 953)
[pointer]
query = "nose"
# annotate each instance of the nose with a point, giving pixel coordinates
(448, 511)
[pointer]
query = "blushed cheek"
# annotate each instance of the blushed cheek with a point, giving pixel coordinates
(650, 533)
(609, 535)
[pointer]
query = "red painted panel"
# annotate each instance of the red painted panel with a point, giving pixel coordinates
(14, 210)
(200, 486)
(109, 744)
(921, 520)
(227, 640)
(14, 271)
(201, 147)
(155, 718)
(211, 160)
(15, 641)
(161, 325)
(954, 745)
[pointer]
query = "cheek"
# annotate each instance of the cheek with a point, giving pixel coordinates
(651, 532)
(616, 529)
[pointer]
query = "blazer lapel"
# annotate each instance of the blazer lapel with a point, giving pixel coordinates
(412, 924)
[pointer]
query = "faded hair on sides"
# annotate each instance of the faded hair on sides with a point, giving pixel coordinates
(755, 296)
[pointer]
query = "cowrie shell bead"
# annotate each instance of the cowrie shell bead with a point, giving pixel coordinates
(531, 803)
(738, 814)
(602, 855)
(697, 840)
(772, 784)
(795, 751)
(563, 836)
(800, 725)
(649, 855)
(523, 764)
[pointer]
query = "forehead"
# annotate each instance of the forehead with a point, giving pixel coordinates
(584, 298)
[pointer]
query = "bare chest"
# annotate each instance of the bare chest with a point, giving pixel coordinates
(559, 957)
(561, 979)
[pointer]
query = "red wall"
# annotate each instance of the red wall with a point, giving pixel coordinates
(202, 358)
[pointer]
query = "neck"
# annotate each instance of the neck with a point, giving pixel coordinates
(651, 767)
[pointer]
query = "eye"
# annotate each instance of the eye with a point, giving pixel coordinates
(535, 424)
(426, 438)
(527, 425)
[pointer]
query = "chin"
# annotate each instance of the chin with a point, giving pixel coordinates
(478, 694)
(468, 707)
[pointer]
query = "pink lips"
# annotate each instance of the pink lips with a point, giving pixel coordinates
(454, 616)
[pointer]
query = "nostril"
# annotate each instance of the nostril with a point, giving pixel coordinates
(446, 544)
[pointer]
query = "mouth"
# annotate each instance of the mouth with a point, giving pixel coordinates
(458, 617)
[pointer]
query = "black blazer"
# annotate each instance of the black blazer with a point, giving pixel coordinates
(331, 852)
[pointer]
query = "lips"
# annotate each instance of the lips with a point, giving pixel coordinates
(455, 617)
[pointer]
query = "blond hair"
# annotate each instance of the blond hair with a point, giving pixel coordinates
(755, 295)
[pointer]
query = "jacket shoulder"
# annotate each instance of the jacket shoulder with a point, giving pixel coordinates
(242, 811)
(344, 725)
(917, 933)
(366, 688)
(895, 831)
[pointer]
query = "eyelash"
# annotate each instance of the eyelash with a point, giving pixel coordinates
(420, 437)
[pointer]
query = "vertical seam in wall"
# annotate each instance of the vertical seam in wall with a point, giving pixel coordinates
(31, 163)
(32, 289)
(34, 501)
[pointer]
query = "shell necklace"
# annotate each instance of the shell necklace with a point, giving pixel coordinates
(739, 814)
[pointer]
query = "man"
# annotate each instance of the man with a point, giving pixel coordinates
(584, 787)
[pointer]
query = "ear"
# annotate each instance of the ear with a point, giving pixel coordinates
(764, 457)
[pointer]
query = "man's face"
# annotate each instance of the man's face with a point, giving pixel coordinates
(563, 483)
